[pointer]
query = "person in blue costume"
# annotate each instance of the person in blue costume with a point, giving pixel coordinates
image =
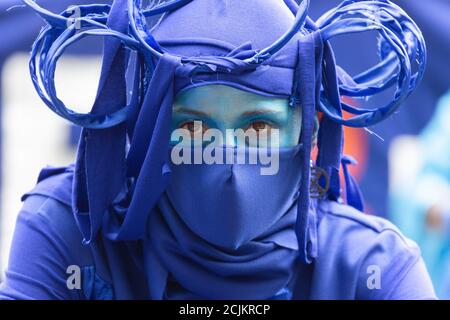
(137, 225)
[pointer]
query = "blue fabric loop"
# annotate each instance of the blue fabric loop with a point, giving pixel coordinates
(88, 14)
(164, 7)
(51, 44)
(401, 44)
(141, 32)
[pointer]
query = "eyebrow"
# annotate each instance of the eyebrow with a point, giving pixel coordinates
(259, 112)
(245, 114)
(193, 112)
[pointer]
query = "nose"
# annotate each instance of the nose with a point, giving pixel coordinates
(230, 138)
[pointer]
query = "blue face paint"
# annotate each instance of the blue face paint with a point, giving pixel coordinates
(223, 107)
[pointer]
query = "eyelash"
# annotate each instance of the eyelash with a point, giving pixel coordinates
(271, 124)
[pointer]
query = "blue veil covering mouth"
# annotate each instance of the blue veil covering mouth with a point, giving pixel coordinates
(272, 48)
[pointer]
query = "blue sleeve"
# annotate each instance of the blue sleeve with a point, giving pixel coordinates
(393, 269)
(41, 251)
(414, 285)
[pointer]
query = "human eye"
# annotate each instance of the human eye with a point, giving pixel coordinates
(260, 127)
(261, 130)
(195, 128)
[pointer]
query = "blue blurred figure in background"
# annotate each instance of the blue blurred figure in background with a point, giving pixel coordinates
(420, 205)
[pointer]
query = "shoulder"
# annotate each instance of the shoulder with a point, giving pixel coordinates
(46, 242)
(50, 201)
(54, 183)
(346, 219)
(48, 205)
(361, 246)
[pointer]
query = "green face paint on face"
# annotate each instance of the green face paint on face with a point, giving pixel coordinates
(223, 107)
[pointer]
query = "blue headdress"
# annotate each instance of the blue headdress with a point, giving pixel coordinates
(116, 189)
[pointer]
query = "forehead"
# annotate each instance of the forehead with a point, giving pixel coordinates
(222, 98)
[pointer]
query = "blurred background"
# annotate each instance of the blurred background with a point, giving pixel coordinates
(404, 164)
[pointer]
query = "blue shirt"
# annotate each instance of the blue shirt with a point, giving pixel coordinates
(360, 256)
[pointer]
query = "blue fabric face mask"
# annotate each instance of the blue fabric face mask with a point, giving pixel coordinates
(223, 225)
(229, 205)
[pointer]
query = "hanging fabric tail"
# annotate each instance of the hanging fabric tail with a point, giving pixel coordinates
(147, 161)
(103, 195)
(330, 138)
(353, 193)
(307, 73)
(100, 164)
(137, 94)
